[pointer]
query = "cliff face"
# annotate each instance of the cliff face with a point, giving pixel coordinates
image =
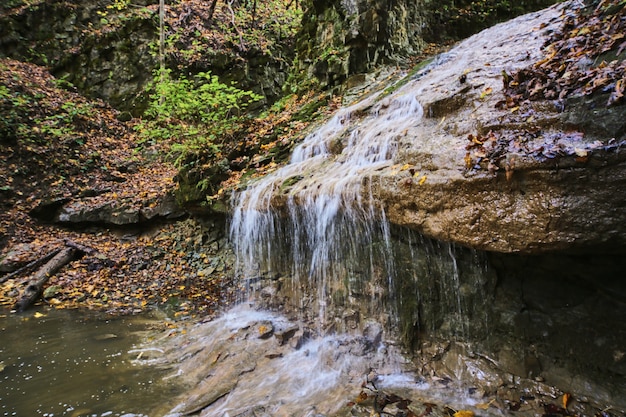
(342, 38)
(83, 45)
(108, 49)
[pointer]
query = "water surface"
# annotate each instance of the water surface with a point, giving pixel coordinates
(68, 363)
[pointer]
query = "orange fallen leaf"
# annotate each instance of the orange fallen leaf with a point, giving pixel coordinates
(566, 397)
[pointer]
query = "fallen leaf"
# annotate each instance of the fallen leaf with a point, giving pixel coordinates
(485, 406)
(468, 160)
(565, 400)
(486, 92)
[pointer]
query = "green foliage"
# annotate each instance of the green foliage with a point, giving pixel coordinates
(120, 12)
(25, 119)
(195, 114)
(279, 22)
(235, 29)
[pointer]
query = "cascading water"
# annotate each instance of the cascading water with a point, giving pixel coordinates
(311, 239)
(315, 219)
(315, 224)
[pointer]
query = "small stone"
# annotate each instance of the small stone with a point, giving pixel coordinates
(51, 291)
(285, 334)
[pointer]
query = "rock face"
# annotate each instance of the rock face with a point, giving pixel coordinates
(442, 157)
(106, 49)
(554, 181)
(341, 38)
(73, 40)
(554, 187)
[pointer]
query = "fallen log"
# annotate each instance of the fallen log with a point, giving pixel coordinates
(79, 247)
(34, 287)
(29, 266)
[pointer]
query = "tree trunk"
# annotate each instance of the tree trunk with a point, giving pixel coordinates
(212, 9)
(30, 266)
(34, 289)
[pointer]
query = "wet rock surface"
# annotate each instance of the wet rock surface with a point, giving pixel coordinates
(553, 322)
(442, 157)
(554, 189)
(237, 366)
(450, 153)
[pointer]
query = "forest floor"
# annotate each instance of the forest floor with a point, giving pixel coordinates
(57, 146)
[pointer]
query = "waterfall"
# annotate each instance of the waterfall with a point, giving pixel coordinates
(315, 219)
(312, 238)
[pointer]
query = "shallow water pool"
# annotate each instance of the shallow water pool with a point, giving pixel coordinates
(68, 363)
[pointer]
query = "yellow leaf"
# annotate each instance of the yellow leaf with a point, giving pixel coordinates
(422, 180)
(405, 167)
(468, 160)
(485, 406)
(565, 400)
(362, 397)
(486, 92)
(39, 315)
(464, 413)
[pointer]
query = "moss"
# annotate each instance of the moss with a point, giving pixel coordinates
(308, 112)
(412, 73)
(289, 182)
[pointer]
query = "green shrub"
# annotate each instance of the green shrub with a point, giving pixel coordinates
(197, 115)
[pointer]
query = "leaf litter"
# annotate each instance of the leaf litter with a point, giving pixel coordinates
(56, 145)
(585, 58)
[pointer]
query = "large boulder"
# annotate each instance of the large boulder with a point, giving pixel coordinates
(529, 177)
(483, 147)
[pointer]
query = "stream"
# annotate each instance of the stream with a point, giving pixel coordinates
(69, 363)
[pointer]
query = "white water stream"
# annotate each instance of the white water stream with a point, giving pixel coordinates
(245, 372)
(327, 223)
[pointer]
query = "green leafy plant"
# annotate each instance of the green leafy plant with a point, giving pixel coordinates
(195, 114)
